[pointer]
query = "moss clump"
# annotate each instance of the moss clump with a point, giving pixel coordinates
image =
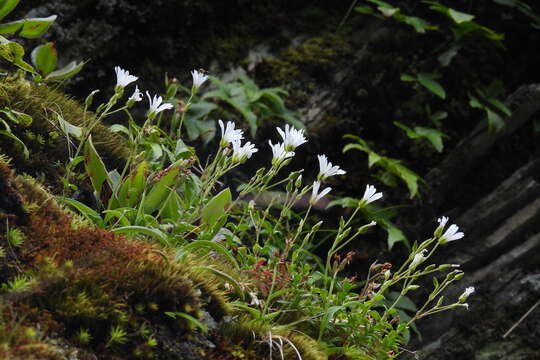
(314, 57)
(251, 339)
(105, 295)
(43, 137)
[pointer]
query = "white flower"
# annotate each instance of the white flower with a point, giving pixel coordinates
(418, 259)
(198, 78)
(242, 153)
(229, 134)
(136, 97)
(292, 138)
(442, 221)
(123, 78)
(450, 234)
(468, 292)
(254, 299)
(279, 153)
(326, 168)
(315, 195)
(370, 195)
(156, 105)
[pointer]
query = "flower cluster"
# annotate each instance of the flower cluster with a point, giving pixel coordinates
(156, 105)
(230, 135)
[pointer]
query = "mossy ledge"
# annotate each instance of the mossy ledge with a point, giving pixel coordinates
(97, 293)
(43, 137)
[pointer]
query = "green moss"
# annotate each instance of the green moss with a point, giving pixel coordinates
(255, 337)
(46, 142)
(113, 289)
(314, 57)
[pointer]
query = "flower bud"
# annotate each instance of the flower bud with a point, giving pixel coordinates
(90, 98)
(430, 267)
(298, 182)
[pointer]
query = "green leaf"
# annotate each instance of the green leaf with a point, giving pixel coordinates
(17, 117)
(44, 58)
(160, 190)
(68, 128)
(228, 278)
(388, 12)
(373, 158)
(394, 234)
(14, 53)
(346, 202)
(19, 142)
(131, 190)
(407, 78)
(433, 135)
(28, 28)
(154, 233)
(495, 122)
(216, 207)
(445, 58)
(66, 72)
(216, 247)
(189, 318)
(364, 10)
(410, 178)
(7, 6)
(83, 209)
(459, 17)
(406, 303)
(499, 106)
(428, 81)
(420, 25)
(95, 167)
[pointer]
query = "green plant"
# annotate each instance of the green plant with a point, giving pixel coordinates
(255, 105)
(28, 28)
(393, 167)
(268, 250)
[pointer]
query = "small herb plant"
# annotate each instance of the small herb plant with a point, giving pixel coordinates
(275, 280)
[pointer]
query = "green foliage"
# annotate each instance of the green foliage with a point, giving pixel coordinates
(207, 247)
(434, 136)
(44, 58)
(18, 118)
(15, 237)
(216, 208)
(524, 8)
(428, 81)
(391, 166)
(255, 105)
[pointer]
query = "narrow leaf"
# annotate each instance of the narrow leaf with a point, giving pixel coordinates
(432, 85)
(66, 72)
(216, 207)
(95, 167)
